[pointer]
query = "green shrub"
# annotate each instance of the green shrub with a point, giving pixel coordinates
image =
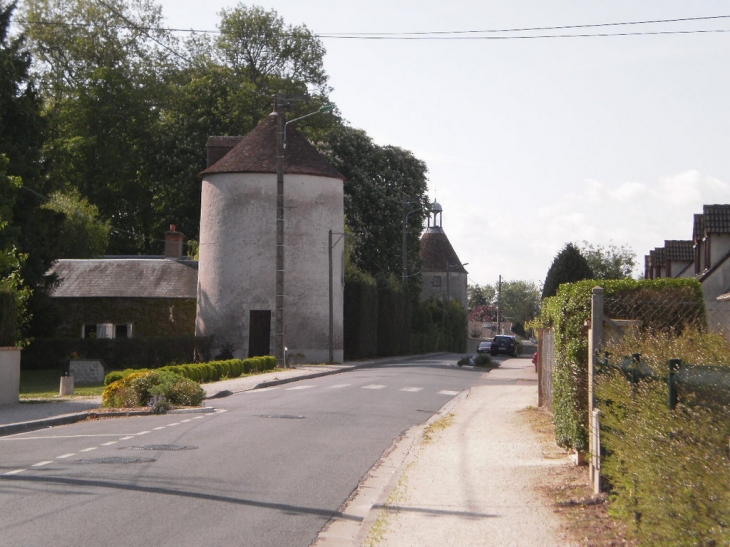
(668, 469)
(113, 376)
(138, 388)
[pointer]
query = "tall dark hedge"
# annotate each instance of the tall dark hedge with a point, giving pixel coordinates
(569, 266)
(394, 320)
(360, 318)
(8, 318)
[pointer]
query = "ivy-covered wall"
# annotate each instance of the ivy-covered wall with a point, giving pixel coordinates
(148, 316)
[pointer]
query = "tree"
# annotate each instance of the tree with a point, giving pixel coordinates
(610, 262)
(103, 90)
(82, 234)
(479, 295)
(381, 183)
(28, 235)
(256, 43)
(568, 266)
(520, 301)
(483, 312)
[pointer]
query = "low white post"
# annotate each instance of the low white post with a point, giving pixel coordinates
(67, 385)
(596, 454)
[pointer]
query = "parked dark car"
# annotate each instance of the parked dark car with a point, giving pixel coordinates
(484, 347)
(504, 343)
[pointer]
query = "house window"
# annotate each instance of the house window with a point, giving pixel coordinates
(106, 330)
(122, 331)
(436, 280)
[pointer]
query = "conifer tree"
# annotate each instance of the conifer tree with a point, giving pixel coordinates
(569, 266)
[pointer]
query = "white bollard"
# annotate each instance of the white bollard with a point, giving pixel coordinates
(67, 385)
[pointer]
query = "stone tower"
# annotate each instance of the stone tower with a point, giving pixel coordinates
(237, 267)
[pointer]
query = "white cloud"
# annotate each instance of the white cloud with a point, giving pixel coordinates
(520, 242)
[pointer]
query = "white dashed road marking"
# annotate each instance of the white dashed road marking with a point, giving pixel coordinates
(65, 456)
(338, 386)
(373, 386)
(446, 392)
(127, 438)
(14, 472)
(88, 449)
(299, 387)
(412, 389)
(109, 443)
(41, 464)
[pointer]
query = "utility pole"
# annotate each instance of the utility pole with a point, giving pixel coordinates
(499, 306)
(405, 203)
(279, 349)
(332, 324)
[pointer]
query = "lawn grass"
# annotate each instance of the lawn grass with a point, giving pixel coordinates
(45, 384)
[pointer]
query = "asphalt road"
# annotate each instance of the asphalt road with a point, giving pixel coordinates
(269, 469)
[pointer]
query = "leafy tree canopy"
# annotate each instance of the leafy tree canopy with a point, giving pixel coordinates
(83, 235)
(479, 295)
(382, 181)
(612, 262)
(520, 301)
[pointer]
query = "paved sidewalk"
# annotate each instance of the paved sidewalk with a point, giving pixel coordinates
(472, 485)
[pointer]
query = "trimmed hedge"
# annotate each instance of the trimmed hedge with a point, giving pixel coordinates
(655, 302)
(208, 372)
(435, 329)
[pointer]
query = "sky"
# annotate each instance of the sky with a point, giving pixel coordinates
(532, 143)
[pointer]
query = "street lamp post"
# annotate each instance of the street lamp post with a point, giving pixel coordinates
(450, 267)
(279, 347)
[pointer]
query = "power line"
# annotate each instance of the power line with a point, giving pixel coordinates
(529, 37)
(447, 34)
(530, 29)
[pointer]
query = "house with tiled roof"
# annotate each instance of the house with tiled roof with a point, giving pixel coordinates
(443, 273)
(675, 259)
(708, 260)
(125, 296)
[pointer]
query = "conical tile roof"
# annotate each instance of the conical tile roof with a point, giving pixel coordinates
(256, 153)
(436, 252)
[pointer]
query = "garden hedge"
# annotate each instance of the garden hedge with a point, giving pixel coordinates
(656, 303)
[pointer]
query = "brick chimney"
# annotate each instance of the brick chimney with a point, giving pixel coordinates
(174, 243)
(217, 147)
